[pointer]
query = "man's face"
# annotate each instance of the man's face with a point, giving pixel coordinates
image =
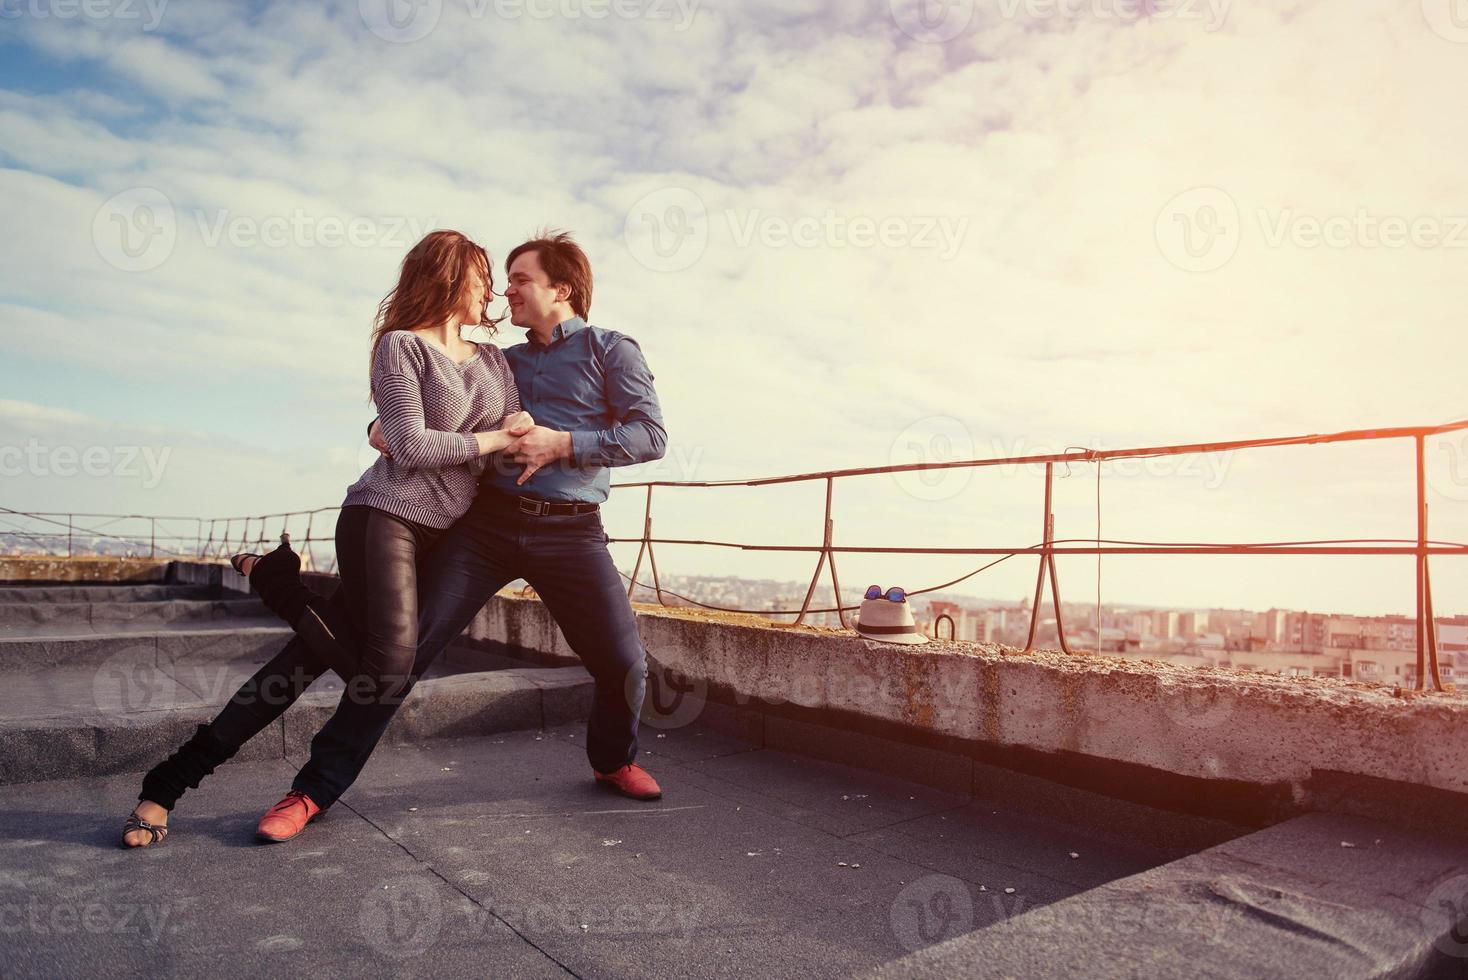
(531, 297)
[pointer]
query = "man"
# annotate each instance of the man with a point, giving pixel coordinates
(536, 517)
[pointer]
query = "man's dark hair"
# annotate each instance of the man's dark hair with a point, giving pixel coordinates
(563, 262)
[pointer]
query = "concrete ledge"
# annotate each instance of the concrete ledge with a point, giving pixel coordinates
(208, 575)
(1320, 895)
(25, 569)
(1238, 748)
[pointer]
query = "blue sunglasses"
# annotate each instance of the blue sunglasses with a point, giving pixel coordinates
(893, 594)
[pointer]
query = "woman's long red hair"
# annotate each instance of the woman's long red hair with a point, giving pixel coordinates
(431, 286)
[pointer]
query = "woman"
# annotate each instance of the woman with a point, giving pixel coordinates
(444, 403)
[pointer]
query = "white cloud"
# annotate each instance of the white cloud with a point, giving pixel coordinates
(1053, 143)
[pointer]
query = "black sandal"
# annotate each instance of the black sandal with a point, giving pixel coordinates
(237, 561)
(135, 822)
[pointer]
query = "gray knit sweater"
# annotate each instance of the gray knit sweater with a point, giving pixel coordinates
(429, 408)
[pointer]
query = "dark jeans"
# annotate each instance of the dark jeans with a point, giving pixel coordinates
(565, 559)
(376, 606)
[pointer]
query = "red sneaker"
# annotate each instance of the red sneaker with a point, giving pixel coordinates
(631, 780)
(287, 818)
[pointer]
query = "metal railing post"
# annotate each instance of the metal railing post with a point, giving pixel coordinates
(1047, 564)
(835, 580)
(645, 548)
(1055, 594)
(821, 561)
(1426, 628)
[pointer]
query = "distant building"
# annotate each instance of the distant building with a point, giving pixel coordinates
(1193, 622)
(1452, 645)
(1166, 623)
(1344, 633)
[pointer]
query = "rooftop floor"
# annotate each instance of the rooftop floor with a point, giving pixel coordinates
(477, 844)
(498, 855)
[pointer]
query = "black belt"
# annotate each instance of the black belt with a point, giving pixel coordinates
(548, 508)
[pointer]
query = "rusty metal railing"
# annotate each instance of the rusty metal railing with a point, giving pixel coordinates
(1048, 547)
(221, 538)
(211, 537)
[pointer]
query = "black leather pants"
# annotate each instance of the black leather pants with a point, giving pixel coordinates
(367, 632)
(378, 556)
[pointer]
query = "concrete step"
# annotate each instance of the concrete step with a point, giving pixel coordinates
(79, 721)
(99, 612)
(69, 644)
(1321, 895)
(257, 638)
(103, 593)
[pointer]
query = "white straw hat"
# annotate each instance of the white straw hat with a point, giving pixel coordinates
(887, 621)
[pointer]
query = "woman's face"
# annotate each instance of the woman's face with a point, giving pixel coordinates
(476, 295)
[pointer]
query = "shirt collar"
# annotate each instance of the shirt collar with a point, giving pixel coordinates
(566, 328)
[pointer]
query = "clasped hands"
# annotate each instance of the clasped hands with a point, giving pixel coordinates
(532, 445)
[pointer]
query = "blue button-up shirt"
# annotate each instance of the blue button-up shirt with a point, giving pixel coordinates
(594, 384)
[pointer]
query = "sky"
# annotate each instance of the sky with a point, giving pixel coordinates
(845, 234)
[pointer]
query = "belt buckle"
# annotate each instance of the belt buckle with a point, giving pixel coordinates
(533, 507)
